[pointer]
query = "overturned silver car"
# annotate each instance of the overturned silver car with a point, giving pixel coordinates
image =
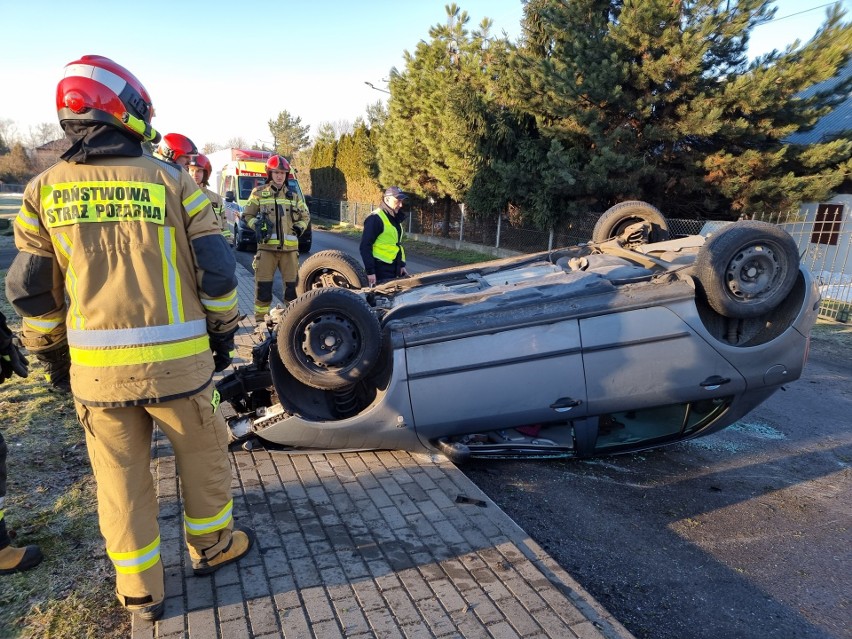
(632, 341)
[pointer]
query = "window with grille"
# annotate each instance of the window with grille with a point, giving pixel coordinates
(827, 224)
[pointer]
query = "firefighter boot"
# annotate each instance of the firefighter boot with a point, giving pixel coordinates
(241, 542)
(151, 613)
(14, 559)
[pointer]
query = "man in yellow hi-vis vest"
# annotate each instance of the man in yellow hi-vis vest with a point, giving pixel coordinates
(381, 241)
(132, 244)
(277, 218)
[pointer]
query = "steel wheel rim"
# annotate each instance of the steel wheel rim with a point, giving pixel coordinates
(753, 272)
(328, 341)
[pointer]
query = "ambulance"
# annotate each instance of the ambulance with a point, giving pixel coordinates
(235, 173)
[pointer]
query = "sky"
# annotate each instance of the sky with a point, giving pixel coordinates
(220, 70)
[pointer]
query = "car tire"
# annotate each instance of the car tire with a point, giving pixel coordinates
(616, 218)
(330, 269)
(747, 269)
(329, 338)
(239, 242)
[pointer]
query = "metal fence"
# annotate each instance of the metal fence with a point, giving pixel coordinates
(825, 248)
(831, 264)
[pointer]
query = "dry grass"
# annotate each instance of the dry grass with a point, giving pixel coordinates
(836, 333)
(51, 502)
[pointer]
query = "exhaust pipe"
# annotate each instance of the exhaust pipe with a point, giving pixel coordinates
(454, 451)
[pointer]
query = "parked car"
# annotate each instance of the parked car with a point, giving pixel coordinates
(632, 341)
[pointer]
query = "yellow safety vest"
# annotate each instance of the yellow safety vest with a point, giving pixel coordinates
(388, 243)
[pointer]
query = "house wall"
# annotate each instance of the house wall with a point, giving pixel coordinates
(835, 258)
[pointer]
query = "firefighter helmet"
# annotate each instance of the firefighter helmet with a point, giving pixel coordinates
(174, 146)
(96, 89)
(276, 163)
(203, 162)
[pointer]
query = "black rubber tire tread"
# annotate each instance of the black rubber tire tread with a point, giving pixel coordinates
(616, 218)
(330, 260)
(718, 256)
(352, 313)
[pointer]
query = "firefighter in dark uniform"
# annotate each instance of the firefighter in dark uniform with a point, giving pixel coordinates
(122, 270)
(277, 218)
(381, 241)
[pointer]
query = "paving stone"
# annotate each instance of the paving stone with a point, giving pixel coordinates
(294, 624)
(231, 602)
(262, 614)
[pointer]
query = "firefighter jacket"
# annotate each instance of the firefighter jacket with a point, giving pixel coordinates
(218, 209)
(122, 259)
(282, 214)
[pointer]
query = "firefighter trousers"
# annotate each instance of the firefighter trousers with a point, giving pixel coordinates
(266, 263)
(119, 445)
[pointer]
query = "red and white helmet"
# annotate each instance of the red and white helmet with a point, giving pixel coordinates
(175, 145)
(96, 89)
(277, 163)
(203, 162)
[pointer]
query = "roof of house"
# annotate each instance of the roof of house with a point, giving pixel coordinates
(61, 144)
(840, 119)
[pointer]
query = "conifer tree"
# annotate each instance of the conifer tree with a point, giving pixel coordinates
(611, 100)
(429, 143)
(289, 133)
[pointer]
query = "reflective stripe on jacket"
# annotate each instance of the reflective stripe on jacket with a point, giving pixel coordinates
(135, 248)
(389, 242)
(218, 209)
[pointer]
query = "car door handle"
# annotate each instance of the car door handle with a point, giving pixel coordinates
(564, 404)
(714, 381)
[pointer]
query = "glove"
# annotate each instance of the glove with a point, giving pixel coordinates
(262, 227)
(57, 368)
(298, 229)
(223, 350)
(12, 361)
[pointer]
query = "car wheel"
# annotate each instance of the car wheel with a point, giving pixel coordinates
(617, 218)
(331, 269)
(747, 269)
(239, 242)
(329, 338)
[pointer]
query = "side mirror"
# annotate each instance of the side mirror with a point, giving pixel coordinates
(229, 196)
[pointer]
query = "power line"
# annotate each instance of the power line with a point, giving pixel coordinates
(798, 13)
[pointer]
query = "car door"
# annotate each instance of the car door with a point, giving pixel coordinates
(649, 357)
(486, 381)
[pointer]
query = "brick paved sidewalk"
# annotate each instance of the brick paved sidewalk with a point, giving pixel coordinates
(376, 544)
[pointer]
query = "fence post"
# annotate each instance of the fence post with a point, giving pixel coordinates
(499, 224)
(461, 223)
(550, 240)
